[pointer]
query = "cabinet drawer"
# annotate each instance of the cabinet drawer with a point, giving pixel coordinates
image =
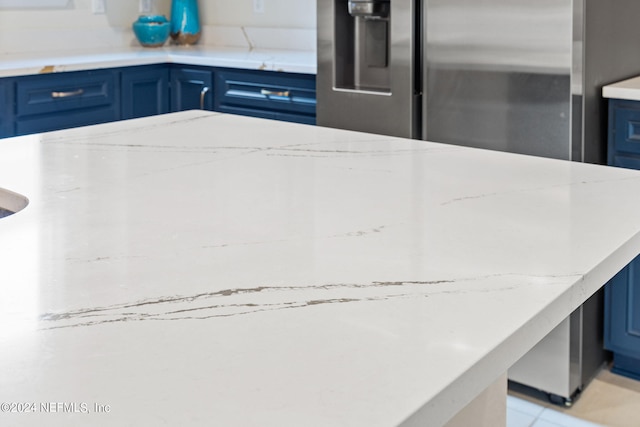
(628, 162)
(626, 128)
(55, 93)
(6, 113)
(266, 114)
(290, 97)
(49, 122)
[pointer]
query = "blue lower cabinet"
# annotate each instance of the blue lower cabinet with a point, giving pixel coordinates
(191, 88)
(6, 109)
(145, 91)
(58, 101)
(622, 319)
(274, 95)
(46, 102)
(622, 293)
(624, 134)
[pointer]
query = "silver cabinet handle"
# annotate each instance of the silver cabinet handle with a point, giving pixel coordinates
(68, 94)
(267, 92)
(203, 92)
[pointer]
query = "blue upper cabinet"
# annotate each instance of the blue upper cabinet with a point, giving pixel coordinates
(622, 293)
(145, 91)
(281, 96)
(191, 88)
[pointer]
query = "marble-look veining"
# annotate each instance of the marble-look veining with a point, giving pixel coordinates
(207, 269)
(243, 301)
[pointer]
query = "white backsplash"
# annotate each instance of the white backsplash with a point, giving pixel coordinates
(259, 37)
(277, 13)
(285, 24)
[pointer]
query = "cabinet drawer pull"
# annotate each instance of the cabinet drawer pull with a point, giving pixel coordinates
(68, 94)
(203, 92)
(284, 93)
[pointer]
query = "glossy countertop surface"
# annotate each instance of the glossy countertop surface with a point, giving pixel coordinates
(207, 269)
(627, 89)
(287, 60)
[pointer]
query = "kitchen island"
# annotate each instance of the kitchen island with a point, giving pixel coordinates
(207, 269)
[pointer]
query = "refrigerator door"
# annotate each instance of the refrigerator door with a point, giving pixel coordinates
(498, 74)
(367, 66)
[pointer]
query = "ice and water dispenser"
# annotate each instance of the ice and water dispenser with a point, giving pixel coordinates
(362, 37)
(367, 69)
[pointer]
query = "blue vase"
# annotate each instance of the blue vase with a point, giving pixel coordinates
(185, 21)
(152, 30)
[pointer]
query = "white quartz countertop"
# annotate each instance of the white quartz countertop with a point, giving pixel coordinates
(627, 89)
(294, 61)
(206, 269)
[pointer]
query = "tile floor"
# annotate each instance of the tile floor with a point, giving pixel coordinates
(522, 413)
(608, 401)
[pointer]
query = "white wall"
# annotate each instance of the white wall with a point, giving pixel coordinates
(51, 30)
(39, 30)
(121, 13)
(77, 14)
(278, 13)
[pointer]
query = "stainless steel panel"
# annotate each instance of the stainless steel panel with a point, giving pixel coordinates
(546, 366)
(577, 83)
(568, 358)
(576, 354)
(592, 353)
(369, 8)
(360, 87)
(498, 74)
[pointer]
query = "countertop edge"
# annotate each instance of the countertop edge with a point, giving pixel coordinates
(628, 89)
(292, 61)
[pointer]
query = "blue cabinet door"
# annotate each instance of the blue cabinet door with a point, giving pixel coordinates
(145, 91)
(191, 88)
(267, 94)
(624, 134)
(622, 293)
(622, 319)
(48, 102)
(6, 108)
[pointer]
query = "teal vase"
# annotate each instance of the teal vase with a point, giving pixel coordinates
(185, 21)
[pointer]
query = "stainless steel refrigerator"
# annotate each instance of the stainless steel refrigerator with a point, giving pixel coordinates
(523, 76)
